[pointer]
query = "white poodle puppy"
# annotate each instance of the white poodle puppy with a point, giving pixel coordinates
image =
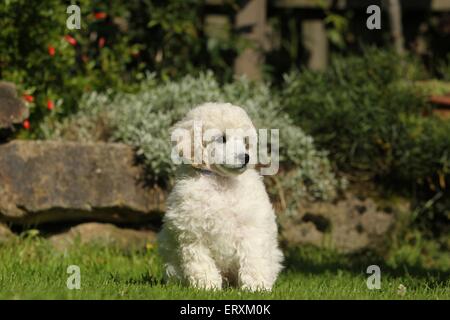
(219, 228)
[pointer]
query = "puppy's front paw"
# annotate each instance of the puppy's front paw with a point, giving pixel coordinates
(252, 284)
(254, 288)
(206, 283)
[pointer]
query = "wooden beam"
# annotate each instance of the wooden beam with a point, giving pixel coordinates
(251, 19)
(396, 25)
(440, 5)
(434, 5)
(306, 4)
(315, 41)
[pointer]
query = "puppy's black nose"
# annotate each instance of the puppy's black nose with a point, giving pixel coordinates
(246, 158)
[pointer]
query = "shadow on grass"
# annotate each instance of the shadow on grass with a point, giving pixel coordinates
(310, 260)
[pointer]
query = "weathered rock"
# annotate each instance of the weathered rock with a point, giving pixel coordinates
(105, 235)
(12, 109)
(5, 233)
(49, 181)
(349, 225)
(301, 233)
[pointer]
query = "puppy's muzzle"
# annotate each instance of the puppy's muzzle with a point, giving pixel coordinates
(244, 159)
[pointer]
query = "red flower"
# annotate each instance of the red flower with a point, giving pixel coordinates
(70, 40)
(28, 98)
(101, 42)
(26, 124)
(51, 51)
(100, 15)
(50, 105)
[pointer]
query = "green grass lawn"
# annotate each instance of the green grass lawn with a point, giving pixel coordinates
(31, 269)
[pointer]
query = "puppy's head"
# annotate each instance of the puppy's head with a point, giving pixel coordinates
(217, 137)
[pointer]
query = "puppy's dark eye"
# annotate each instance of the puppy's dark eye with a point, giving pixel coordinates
(247, 142)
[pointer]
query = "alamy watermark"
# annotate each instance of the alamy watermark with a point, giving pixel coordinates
(74, 20)
(74, 280)
(374, 21)
(374, 280)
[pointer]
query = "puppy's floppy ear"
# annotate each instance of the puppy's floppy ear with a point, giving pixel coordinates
(186, 136)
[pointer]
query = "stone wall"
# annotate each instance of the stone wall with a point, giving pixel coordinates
(49, 181)
(66, 183)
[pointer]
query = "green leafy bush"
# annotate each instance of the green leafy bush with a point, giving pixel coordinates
(424, 152)
(367, 112)
(53, 64)
(444, 68)
(117, 43)
(143, 120)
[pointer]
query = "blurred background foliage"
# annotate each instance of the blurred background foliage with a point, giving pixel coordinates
(365, 118)
(117, 43)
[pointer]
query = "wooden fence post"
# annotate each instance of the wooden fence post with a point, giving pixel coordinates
(251, 21)
(395, 21)
(315, 41)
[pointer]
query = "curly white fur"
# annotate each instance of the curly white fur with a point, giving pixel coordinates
(220, 229)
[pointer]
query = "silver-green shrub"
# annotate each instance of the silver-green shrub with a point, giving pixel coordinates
(143, 120)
